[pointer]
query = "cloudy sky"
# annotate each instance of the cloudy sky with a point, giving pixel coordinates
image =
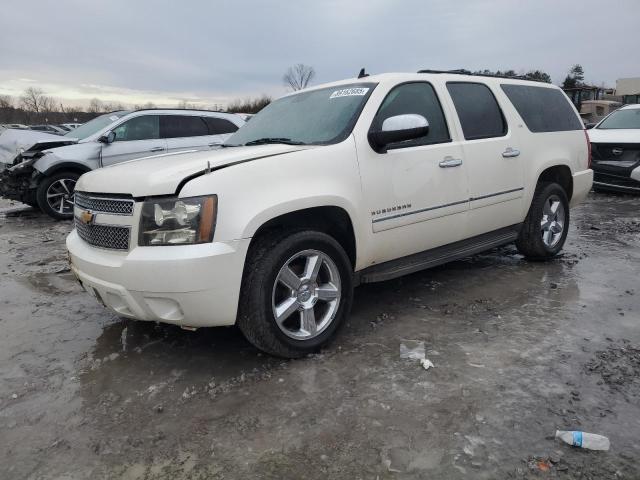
(210, 52)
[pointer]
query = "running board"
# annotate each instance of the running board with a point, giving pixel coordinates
(437, 256)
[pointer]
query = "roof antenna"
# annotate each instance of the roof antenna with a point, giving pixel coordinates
(208, 170)
(362, 73)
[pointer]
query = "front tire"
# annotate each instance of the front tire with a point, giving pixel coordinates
(55, 195)
(297, 289)
(545, 229)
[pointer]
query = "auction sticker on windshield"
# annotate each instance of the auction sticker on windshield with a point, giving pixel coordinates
(350, 92)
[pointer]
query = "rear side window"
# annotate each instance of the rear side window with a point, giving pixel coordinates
(543, 109)
(478, 110)
(219, 126)
(418, 98)
(175, 126)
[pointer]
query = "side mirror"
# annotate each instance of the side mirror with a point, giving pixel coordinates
(399, 128)
(108, 138)
(589, 126)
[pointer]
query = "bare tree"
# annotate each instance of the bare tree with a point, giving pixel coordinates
(95, 106)
(48, 104)
(184, 105)
(111, 107)
(145, 106)
(249, 105)
(32, 99)
(6, 101)
(298, 76)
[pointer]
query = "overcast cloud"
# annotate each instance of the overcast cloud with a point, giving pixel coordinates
(211, 52)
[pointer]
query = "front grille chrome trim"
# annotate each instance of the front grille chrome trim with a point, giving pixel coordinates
(104, 204)
(108, 237)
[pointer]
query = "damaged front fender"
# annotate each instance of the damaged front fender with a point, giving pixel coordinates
(16, 143)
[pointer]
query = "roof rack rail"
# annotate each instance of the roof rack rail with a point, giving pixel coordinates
(462, 71)
(179, 109)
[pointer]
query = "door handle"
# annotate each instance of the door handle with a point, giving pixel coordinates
(449, 162)
(157, 149)
(510, 153)
(215, 144)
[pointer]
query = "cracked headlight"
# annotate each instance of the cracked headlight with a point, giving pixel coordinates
(178, 221)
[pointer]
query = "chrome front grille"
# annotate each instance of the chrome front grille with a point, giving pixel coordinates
(104, 236)
(104, 203)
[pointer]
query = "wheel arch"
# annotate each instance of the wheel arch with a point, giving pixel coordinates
(560, 174)
(330, 219)
(66, 167)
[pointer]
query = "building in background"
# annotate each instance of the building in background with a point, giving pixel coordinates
(592, 111)
(628, 89)
(589, 92)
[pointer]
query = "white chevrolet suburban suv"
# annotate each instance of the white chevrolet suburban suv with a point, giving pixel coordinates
(345, 183)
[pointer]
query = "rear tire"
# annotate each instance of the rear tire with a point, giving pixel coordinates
(55, 195)
(545, 229)
(309, 305)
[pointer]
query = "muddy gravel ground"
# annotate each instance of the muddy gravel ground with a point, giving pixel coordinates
(520, 349)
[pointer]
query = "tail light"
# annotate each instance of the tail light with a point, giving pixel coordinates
(586, 135)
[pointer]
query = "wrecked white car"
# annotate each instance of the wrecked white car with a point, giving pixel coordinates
(43, 169)
(18, 150)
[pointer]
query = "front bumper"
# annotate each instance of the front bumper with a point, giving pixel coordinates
(616, 166)
(18, 184)
(582, 182)
(191, 285)
(617, 182)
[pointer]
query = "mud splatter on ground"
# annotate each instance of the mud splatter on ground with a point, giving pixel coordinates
(619, 368)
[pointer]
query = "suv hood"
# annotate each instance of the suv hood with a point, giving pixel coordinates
(14, 142)
(165, 174)
(627, 135)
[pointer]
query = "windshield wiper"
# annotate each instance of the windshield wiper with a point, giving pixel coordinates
(266, 140)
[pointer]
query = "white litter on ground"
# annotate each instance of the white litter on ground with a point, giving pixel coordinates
(426, 363)
(414, 350)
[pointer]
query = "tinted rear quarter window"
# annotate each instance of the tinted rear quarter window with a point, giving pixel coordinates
(175, 126)
(543, 109)
(478, 110)
(219, 126)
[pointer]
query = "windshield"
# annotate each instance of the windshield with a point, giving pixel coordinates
(87, 129)
(317, 117)
(623, 119)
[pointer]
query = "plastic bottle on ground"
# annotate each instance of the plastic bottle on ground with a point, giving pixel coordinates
(591, 441)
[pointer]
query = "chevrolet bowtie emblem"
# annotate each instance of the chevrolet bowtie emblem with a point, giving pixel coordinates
(87, 217)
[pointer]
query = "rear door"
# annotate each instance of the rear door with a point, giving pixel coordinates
(135, 138)
(185, 133)
(492, 156)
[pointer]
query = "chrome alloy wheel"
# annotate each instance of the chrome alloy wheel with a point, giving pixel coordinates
(553, 221)
(306, 295)
(60, 195)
